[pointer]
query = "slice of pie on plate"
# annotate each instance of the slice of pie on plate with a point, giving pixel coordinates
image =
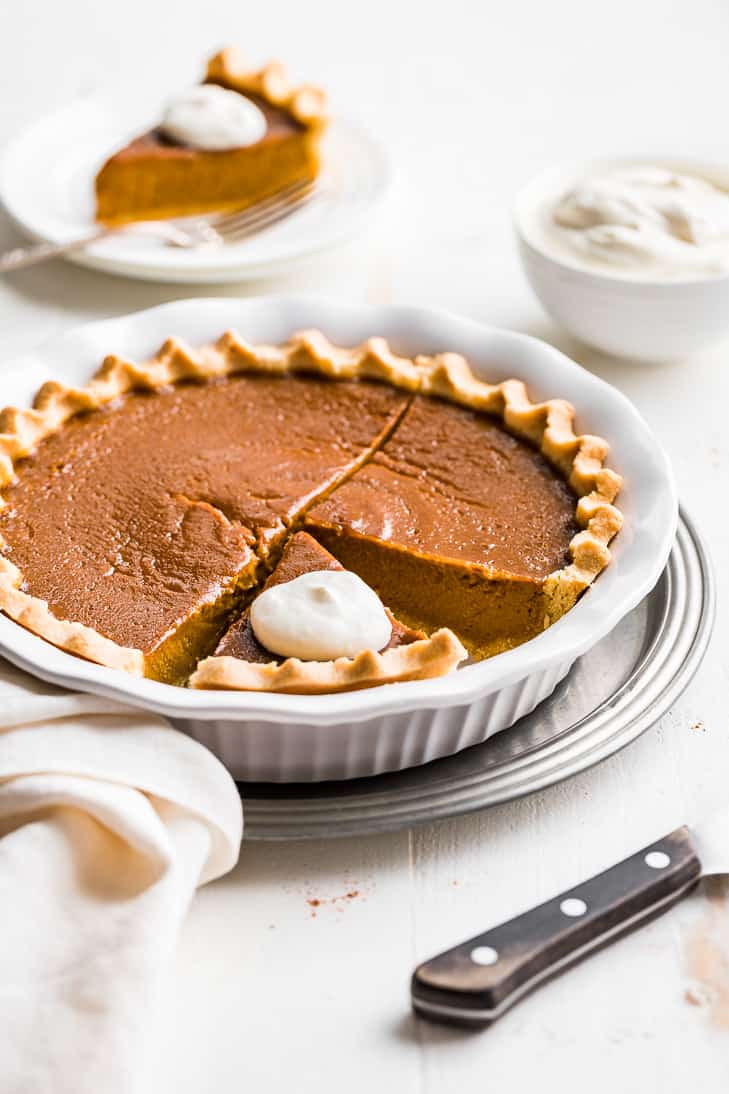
(242, 663)
(174, 170)
(142, 513)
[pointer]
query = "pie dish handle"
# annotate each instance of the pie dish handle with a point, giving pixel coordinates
(478, 981)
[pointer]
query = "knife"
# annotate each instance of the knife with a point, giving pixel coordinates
(475, 983)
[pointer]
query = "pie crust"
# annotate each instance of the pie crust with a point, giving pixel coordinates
(433, 656)
(304, 102)
(548, 426)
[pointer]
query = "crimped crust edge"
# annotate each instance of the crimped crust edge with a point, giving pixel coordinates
(548, 426)
(419, 660)
(304, 102)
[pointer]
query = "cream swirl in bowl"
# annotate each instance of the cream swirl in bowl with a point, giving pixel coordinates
(630, 256)
(214, 119)
(648, 221)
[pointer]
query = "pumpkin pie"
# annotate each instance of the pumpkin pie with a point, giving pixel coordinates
(142, 513)
(240, 661)
(155, 177)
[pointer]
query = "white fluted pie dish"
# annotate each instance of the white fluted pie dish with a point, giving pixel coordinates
(276, 737)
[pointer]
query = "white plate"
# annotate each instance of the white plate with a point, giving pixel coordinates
(46, 186)
(293, 737)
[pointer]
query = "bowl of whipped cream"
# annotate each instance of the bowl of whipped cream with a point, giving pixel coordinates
(630, 256)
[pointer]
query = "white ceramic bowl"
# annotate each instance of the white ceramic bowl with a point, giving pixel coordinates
(300, 737)
(647, 320)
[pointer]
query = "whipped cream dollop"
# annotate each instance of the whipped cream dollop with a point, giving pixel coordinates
(320, 616)
(212, 118)
(646, 221)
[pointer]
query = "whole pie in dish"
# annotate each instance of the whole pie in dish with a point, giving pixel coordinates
(143, 513)
(157, 176)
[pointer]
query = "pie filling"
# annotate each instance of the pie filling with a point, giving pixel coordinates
(154, 178)
(488, 612)
(454, 522)
(155, 519)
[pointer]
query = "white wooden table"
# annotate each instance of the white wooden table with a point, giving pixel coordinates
(270, 992)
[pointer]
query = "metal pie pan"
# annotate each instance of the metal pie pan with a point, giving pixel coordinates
(616, 691)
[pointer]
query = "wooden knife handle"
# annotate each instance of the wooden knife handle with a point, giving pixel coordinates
(475, 983)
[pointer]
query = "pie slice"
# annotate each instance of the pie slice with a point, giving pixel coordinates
(155, 177)
(240, 661)
(145, 505)
(459, 522)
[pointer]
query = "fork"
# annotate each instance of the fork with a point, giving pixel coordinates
(185, 232)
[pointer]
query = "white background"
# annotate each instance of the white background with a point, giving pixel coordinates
(472, 97)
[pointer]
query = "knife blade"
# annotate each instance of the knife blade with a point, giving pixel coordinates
(474, 983)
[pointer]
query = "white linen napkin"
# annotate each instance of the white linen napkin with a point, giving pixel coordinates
(109, 819)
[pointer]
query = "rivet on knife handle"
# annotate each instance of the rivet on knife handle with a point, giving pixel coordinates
(476, 982)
